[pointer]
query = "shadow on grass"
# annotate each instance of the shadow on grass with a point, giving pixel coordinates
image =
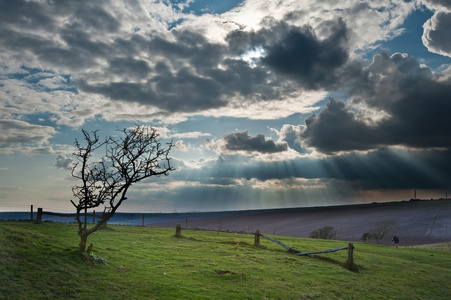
(347, 265)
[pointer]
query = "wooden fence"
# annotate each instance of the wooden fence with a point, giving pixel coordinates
(92, 216)
(349, 264)
(41, 212)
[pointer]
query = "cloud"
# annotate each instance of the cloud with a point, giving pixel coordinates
(63, 163)
(389, 168)
(436, 35)
(156, 61)
(443, 3)
(189, 74)
(299, 53)
(384, 168)
(19, 133)
(241, 141)
(296, 53)
(412, 104)
(337, 129)
(189, 135)
(291, 134)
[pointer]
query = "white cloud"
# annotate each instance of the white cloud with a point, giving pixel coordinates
(18, 133)
(189, 135)
(181, 146)
(254, 108)
(436, 35)
(287, 183)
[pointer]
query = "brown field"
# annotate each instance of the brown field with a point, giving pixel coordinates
(417, 222)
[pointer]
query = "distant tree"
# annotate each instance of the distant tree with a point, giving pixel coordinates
(382, 229)
(327, 233)
(104, 182)
(366, 236)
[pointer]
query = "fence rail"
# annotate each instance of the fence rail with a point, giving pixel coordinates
(349, 264)
(41, 212)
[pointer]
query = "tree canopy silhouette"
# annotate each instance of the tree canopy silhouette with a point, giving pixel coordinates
(132, 156)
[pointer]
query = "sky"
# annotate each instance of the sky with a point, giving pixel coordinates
(271, 104)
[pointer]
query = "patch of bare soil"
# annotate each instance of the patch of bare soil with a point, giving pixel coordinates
(417, 222)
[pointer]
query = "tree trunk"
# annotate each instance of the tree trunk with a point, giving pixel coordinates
(83, 241)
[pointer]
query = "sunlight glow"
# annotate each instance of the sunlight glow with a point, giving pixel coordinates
(252, 56)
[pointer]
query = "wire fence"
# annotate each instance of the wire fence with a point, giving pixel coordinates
(131, 219)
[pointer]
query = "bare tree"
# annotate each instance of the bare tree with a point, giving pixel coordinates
(326, 233)
(381, 230)
(133, 156)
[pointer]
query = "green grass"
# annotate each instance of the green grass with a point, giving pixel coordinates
(42, 262)
(439, 246)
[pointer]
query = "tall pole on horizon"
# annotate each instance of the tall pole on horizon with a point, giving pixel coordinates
(414, 194)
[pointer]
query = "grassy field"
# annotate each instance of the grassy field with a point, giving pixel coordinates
(41, 262)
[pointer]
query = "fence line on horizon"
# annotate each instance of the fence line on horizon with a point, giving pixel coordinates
(140, 220)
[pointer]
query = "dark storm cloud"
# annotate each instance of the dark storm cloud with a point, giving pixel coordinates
(134, 68)
(48, 15)
(32, 30)
(165, 91)
(297, 52)
(91, 15)
(173, 85)
(336, 128)
(239, 77)
(44, 50)
(198, 86)
(415, 102)
(189, 46)
(25, 14)
(241, 141)
(205, 85)
(381, 169)
(392, 169)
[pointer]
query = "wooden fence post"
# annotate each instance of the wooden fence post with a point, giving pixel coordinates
(31, 216)
(186, 222)
(178, 230)
(350, 253)
(257, 238)
(350, 265)
(143, 221)
(39, 216)
(93, 217)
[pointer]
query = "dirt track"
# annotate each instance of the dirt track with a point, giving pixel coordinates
(418, 222)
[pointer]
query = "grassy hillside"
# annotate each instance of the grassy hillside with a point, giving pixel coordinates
(40, 262)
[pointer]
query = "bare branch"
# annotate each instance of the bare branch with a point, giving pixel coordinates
(134, 155)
